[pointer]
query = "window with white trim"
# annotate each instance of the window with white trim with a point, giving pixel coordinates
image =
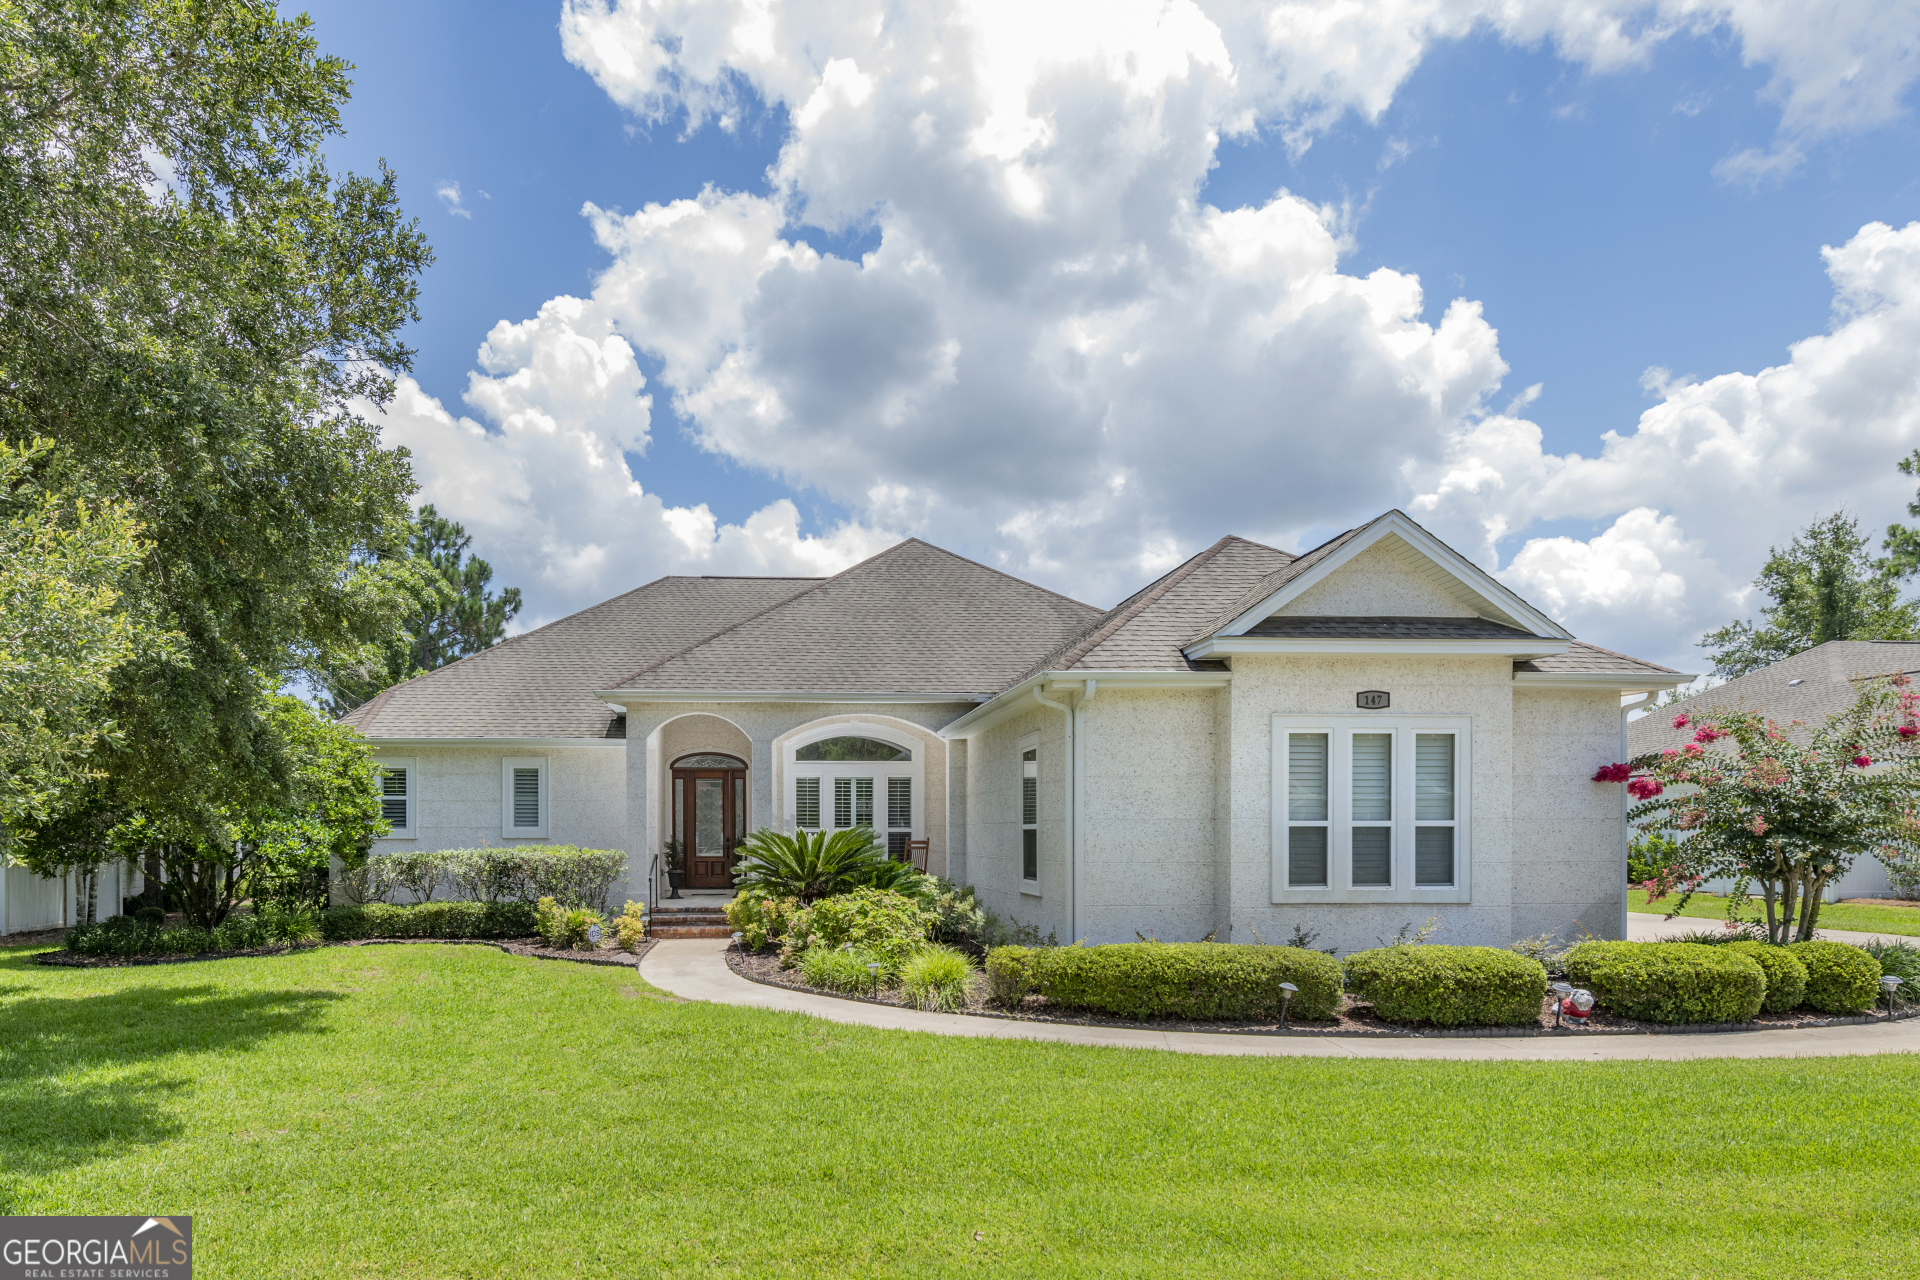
(1030, 814)
(1371, 809)
(523, 797)
(856, 774)
(399, 784)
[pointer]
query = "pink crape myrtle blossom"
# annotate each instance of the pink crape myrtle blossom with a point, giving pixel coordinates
(1680, 721)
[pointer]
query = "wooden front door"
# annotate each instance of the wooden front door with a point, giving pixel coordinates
(709, 820)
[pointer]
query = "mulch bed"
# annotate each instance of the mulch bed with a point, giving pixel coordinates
(607, 954)
(1357, 1018)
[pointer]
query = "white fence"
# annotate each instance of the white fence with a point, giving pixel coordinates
(29, 902)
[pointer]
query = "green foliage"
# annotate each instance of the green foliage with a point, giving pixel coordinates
(901, 878)
(1649, 854)
(1010, 974)
(842, 969)
(887, 925)
(629, 928)
(564, 928)
(1195, 980)
(203, 350)
(63, 633)
(1545, 950)
(760, 918)
(1840, 978)
(1675, 982)
(569, 874)
(246, 931)
(1449, 986)
(808, 865)
(1788, 815)
(428, 920)
(1900, 960)
(453, 615)
(937, 978)
(1824, 586)
(957, 917)
(1786, 976)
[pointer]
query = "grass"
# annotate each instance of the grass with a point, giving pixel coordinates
(421, 1111)
(1834, 915)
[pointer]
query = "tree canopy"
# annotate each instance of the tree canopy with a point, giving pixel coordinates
(454, 614)
(1823, 586)
(201, 317)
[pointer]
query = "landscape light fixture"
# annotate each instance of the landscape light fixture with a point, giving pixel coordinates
(873, 967)
(736, 942)
(1561, 990)
(1287, 990)
(1891, 985)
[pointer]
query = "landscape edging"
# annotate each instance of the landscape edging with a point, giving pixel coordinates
(1389, 1033)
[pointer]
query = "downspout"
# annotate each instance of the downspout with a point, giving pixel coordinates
(1073, 887)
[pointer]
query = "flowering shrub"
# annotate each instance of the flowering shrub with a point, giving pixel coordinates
(1785, 815)
(887, 925)
(760, 918)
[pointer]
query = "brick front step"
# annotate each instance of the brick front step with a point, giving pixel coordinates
(691, 931)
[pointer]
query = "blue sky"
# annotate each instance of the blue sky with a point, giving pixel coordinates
(1579, 208)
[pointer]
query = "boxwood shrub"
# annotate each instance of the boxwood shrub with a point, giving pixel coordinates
(1199, 980)
(1786, 976)
(428, 920)
(1840, 978)
(1449, 986)
(1669, 981)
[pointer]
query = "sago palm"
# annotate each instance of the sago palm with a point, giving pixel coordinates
(808, 865)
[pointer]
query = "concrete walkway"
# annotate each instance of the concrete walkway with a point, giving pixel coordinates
(696, 969)
(1652, 928)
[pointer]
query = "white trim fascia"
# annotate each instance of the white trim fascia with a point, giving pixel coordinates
(1010, 700)
(1622, 683)
(382, 744)
(626, 696)
(1220, 646)
(1470, 576)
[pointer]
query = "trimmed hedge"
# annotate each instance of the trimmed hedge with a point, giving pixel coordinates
(429, 920)
(1198, 980)
(1786, 976)
(1840, 978)
(1670, 981)
(1449, 986)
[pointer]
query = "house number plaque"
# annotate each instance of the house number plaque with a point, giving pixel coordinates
(1373, 700)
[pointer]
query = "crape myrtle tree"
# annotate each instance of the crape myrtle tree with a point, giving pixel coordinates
(454, 613)
(200, 316)
(1789, 812)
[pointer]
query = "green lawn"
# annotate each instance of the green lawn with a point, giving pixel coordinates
(1834, 915)
(452, 1111)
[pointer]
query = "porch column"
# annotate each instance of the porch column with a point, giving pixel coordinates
(760, 807)
(642, 824)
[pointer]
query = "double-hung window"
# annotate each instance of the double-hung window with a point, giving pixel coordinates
(523, 797)
(399, 796)
(1371, 809)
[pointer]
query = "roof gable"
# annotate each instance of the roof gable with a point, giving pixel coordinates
(1403, 542)
(913, 619)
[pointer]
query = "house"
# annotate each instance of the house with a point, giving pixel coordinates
(1807, 687)
(1371, 733)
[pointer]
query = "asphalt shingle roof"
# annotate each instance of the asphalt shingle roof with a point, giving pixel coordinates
(1587, 658)
(1148, 630)
(913, 619)
(1809, 687)
(542, 684)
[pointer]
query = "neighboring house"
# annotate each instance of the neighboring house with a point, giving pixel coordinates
(1808, 687)
(1348, 740)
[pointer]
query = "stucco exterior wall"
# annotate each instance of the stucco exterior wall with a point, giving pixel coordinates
(457, 802)
(993, 821)
(1379, 582)
(1147, 796)
(1569, 870)
(1480, 687)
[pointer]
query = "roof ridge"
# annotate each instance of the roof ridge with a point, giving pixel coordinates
(989, 568)
(783, 600)
(1139, 602)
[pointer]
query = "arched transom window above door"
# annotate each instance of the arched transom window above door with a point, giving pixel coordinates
(857, 776)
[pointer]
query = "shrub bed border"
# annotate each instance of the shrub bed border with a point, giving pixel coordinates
(64, 959)
(1416, 1033)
